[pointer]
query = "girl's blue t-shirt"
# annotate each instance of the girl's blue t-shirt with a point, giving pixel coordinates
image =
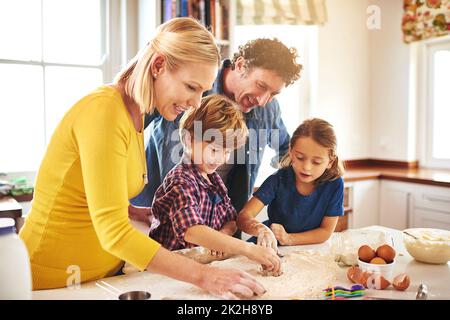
(296, 212)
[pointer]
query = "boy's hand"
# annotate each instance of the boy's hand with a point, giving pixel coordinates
(266, 238)
(142, 214)
(266, 256)
(280, 233)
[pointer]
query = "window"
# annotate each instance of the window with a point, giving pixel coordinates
(437, 150)
(295, 99)
(52, 53)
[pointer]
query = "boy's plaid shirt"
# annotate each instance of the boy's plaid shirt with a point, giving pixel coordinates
(185, 199)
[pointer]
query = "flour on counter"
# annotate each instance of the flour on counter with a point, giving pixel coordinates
(305, 275)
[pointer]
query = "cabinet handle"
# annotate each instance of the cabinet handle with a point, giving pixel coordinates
(435, 199)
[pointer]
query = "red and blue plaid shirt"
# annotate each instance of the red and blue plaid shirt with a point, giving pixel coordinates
(186, 198)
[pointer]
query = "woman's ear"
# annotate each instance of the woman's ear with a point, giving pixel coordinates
(157, 63)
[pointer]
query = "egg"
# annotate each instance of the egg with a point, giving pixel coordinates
(353, 274)
(401, 282)
(386, 252)
(376, 281)
(366, 253)
(377, 260)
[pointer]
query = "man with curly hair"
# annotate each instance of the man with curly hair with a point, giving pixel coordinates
(257, 73)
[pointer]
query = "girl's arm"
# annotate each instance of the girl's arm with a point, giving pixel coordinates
(318, 235)
(218, 241)
(246, 220)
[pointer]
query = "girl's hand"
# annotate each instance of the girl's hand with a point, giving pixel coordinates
(280, 233)
(266, 238)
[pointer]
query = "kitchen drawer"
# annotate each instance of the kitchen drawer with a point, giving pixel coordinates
(427, 218)
(435, 198)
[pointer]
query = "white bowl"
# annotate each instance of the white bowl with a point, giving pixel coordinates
(384, 270)
(432, 245)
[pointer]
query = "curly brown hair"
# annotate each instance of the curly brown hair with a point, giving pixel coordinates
(271, 54)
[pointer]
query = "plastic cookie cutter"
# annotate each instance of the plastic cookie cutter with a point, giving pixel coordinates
(339, 293)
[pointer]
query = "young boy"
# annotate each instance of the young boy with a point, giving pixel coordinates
(192, 204)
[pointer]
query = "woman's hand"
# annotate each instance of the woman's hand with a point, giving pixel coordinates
(230, 284)
(266, 238)
(280, 233)
(142, 214)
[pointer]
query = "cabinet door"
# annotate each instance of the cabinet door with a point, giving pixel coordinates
(395, 204)
(365, 203)
(428, 218)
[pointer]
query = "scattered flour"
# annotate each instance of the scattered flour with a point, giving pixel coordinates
(305, 275)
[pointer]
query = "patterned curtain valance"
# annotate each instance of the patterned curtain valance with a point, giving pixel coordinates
(281, 12)
(424, 19)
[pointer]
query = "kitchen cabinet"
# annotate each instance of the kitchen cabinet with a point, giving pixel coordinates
(404, 205)
(364, 201)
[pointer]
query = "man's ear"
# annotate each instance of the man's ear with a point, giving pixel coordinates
(239, 65)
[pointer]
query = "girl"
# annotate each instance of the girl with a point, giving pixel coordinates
(304, 197)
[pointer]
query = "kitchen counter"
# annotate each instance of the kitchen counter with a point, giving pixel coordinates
(436, 277)
(436, 177)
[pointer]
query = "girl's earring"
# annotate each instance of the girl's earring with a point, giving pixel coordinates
(155, 75)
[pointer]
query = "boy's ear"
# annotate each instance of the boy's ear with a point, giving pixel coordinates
(240, 65)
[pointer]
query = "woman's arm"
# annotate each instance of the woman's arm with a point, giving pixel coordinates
(247, 221)
(223, 283)
(318, 235)
(218, 241)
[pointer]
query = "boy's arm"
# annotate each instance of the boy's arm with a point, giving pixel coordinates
(314, 236)
(217, 241)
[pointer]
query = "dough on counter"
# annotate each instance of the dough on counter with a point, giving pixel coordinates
(305, 275)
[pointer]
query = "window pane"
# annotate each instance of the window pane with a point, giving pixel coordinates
(64, 86)
(72, 31)
(441, 107)
(21, 118)
(20, 29)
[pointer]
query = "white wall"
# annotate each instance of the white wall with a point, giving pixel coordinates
(343, 90)
(392, 117)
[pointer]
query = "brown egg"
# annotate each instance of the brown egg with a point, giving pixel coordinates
(378, 260)
(366, 253)
(353, 274)
(386, 252)
(401, 282)
(356, 275)
(376, 281)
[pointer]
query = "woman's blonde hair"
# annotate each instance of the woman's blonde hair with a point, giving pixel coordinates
(322, 133)
(179, 40)
(218, 120)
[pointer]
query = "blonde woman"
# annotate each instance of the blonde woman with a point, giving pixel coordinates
(78, 226)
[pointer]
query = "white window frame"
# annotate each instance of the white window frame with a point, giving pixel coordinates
(427, 102)
(117, 18)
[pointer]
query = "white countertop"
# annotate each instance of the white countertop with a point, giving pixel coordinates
(436, 277)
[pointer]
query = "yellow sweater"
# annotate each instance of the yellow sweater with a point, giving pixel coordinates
(93, 165)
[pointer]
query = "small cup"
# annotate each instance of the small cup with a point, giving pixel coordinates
(385, 270)
(135, 295)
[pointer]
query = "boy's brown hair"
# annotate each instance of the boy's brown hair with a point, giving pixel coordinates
(221, 122)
